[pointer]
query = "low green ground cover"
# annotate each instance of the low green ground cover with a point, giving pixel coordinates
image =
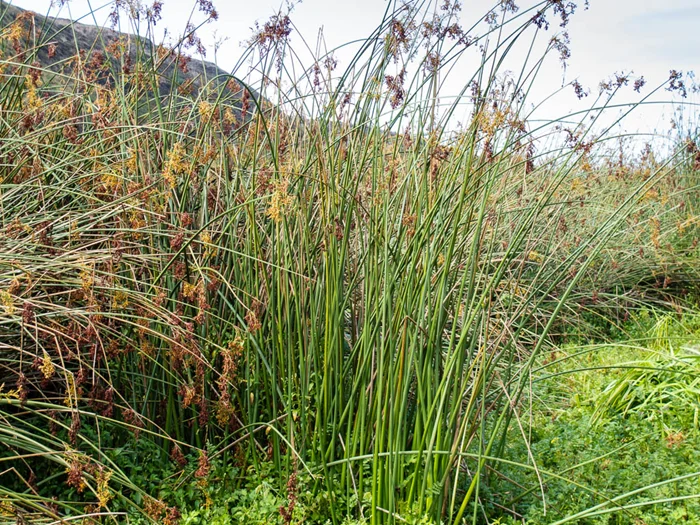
(614, 432)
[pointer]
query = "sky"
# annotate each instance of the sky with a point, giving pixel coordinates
(649, 37)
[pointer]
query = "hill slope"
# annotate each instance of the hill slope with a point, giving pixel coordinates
(55, 44)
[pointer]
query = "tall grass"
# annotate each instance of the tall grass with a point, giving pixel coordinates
(322, 276)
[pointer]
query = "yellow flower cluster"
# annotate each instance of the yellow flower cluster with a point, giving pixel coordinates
(281, 201)
(10, 394)
(120, 300)
(176, 164)
(534, 256)
(86, 278)
(229, 117)
(206, 110)
(491, 120)
(190, 290)
(71, 399)
(6, 302)
(110, 182)
(16, 32)
(131, 163)
(7, 509)
(655, 226)
(33, 99)
(104, 495)
(47, 367)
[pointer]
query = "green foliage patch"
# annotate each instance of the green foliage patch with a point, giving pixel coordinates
(635, 460)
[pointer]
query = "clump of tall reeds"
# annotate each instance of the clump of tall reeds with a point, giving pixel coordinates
(325, 277)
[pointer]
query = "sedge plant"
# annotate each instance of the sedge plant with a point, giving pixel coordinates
(315, 270)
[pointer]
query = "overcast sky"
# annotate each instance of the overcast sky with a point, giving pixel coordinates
(647, 36)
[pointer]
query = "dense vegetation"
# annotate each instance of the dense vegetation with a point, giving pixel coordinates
(274, 297)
